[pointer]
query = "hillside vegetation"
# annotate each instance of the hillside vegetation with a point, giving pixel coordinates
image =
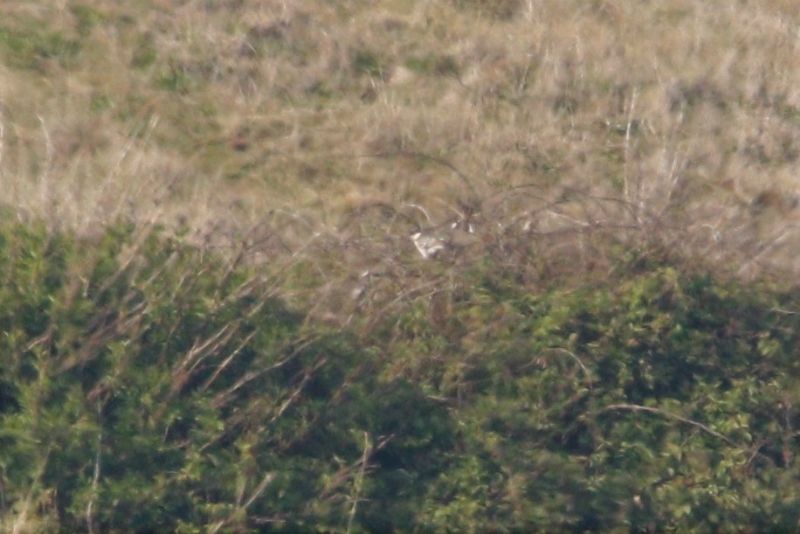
(146, 386)
(399, 265)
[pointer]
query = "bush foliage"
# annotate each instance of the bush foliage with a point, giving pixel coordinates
(146, 385)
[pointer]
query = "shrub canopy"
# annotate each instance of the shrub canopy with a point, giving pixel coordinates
(146, 385)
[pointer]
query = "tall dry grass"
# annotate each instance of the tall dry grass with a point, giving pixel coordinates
(323, 134)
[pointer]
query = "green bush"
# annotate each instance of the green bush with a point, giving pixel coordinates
(662, 401)
(146, 385)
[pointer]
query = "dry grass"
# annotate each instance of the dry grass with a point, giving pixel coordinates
(323, 134)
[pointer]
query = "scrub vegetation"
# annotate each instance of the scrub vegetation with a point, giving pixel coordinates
(400, 265)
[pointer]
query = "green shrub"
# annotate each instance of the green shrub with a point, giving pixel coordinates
(662, 402)
(146, 385)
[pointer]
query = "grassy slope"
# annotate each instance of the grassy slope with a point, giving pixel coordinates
(219, 116)
(312, 138)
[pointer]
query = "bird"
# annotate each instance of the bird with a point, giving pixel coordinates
(428, 245)
(456, 234)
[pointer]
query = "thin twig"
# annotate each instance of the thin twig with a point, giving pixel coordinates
(228, 360)
(44, 178)
(221, 398)
(96, 478)
(299, 389)
(2, 137)
(359, 482)
(626, 155)
(670, 415)
(262, 486)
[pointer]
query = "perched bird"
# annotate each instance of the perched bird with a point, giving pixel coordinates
(427, 245)
(457, 234)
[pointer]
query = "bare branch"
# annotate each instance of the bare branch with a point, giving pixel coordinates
(359, 482)
(670, 415)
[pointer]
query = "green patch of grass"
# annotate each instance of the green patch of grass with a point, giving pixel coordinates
(672, 14)
(86, 18)
(145, 52)
(320, 90)
(433, 64)
(100, 103)
(31, 49)
(193, 128)
(497, 9)
(369, 63)
(175, 79)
